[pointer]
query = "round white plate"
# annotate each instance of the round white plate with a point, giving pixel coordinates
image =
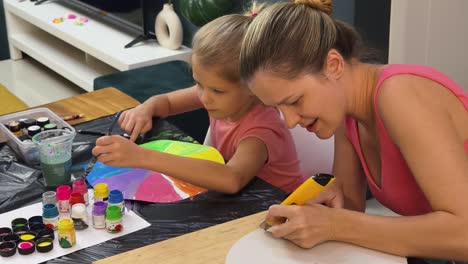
(261, 247)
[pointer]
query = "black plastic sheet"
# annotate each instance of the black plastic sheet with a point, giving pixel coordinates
(21, 185)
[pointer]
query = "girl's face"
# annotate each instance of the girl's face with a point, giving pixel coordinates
(221, 98)
(311, 101)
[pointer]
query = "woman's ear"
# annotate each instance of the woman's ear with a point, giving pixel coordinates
(334, 65)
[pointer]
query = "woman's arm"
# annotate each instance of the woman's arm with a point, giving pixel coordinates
(348, 172)
(248, 160)
(419, 123)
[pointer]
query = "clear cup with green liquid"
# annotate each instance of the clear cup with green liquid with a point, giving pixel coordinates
(55, 155)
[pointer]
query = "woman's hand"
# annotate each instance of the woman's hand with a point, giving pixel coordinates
(118, 151)
(137, 120)
(306, 225)
(332, 196)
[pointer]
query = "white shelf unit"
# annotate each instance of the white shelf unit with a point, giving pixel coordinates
(79, 53)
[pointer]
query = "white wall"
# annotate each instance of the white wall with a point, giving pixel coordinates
(433, 33)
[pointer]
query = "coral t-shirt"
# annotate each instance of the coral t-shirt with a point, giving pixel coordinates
(282, 167)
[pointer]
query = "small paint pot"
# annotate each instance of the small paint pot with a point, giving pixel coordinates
(46, 233)
(11, 238)
(28, 236)
(20, 230)
(4, 231)
(44, 245)
(34, 220)
(7, 249)
(38, 227)
(19, 222)
(26, 247)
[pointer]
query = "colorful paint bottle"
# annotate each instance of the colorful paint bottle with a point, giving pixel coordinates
(99, 215)
(50, 216)
(79, 186)
(66, 233)
(101, 192)
(76, 198)
(63, 198)
(116, 198)
(114, 219)
(79, 216)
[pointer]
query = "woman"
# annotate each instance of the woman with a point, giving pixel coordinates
(402, 129)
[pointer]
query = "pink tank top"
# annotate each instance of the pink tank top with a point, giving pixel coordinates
(399, 190)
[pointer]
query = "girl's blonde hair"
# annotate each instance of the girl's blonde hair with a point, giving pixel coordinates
(289, 39)
(218, 43)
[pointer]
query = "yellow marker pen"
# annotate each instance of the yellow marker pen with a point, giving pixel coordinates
(306, 191)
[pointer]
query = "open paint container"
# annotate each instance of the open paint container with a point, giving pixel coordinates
(49, 233)
(7, 249)
(44, 244)
(4, 231)
(28, 236)
(26, 247)
(11, 238)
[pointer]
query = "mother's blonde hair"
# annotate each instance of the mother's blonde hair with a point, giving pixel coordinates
(288, 39)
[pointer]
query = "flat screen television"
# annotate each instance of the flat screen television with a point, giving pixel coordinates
(133, 16)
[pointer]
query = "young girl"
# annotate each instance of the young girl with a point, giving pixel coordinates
(251, 137)
(403, 129)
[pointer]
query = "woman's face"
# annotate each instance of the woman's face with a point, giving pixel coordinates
(312, 101)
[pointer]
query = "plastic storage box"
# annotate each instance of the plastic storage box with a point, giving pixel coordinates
(28, 151)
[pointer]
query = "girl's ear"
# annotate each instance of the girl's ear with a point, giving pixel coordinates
(334, 65)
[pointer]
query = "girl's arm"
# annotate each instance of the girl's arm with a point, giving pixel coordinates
(173, 103)
(248, 160)
(418, 121)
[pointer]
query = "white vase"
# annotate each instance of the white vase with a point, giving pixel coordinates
(168, 28)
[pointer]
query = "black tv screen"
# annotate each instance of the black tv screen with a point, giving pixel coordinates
(127, 14)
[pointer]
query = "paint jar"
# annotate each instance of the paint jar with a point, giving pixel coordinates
(46, 233)
(19, 230)
(28, 236)
(37, 227)
(50, 216)
(99, 215)
(12, 238)
(79, 186)
(19, 222)
(76, 198)
(15, 128)
(63, 198)
(7, 249)
(66, 233)
(33, 130)
(5, 231)
(79, 216)
(34, 220)
(44, 245)
(26, 247)
(114, 219)
(42, 121)
(49, 197)
(116, 198)
(55, 152)
(101, 192)
(50, 126)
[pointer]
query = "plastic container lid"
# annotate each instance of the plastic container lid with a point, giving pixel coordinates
(34, 220)
(46, 233)
(115, 197)
(79, 186)
(13, 238)
(65, 224)
(44, 244)
(50, 211)
(63, 192)
(19, 222)
(101, 190)
(4, 231)
(99, 208)
(7, 249)
(113, 213)
(26, 247)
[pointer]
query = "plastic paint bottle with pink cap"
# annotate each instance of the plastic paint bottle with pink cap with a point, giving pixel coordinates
(63, 198)
(79, 186)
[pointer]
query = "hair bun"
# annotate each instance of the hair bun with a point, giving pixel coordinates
(320, 5)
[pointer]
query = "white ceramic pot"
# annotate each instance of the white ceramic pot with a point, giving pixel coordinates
(168, 28)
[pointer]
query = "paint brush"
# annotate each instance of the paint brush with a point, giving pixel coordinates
(93, 160)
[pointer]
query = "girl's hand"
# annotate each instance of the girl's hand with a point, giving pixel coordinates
(306, 225)
(118, 151)
(137, 121)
